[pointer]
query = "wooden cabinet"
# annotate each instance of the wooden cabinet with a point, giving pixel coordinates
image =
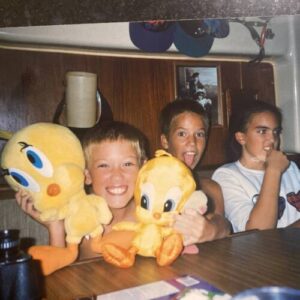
(32, 85)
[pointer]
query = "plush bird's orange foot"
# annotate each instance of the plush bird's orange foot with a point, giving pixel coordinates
(119, 256)
(54, 258)
(169, 250)
(96, 244)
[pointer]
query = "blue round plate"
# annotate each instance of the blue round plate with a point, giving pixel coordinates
(268, 293)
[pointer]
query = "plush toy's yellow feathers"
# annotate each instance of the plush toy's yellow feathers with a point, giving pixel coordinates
(47, 161)
(164, 186)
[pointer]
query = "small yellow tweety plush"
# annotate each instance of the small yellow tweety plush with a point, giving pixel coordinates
(164, 187)
(47, 161)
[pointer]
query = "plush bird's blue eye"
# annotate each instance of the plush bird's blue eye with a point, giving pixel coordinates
(34, 159)
(169, 205)
(147, 196)
(19, 178)
(172, 199)
(39, 161)
(24, 179)
(145, 202)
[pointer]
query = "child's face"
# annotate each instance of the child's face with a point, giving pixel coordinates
(262, 135)
(187, 138)
(112, 170)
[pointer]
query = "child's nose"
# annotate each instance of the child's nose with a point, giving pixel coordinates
(272, 136)
(191, 139)
(117, 172)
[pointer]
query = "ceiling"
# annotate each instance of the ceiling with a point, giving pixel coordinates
(58, 12)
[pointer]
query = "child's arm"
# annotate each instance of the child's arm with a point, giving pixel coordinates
(264, 213)
(55, 228)
(219, 226)
(57, 234)
(197, 228)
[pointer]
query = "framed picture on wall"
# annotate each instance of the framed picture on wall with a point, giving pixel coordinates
(202, 84)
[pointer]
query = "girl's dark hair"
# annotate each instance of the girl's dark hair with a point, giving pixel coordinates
(174, 108)
(239, 120)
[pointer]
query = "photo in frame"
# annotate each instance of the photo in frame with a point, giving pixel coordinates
(201, 83)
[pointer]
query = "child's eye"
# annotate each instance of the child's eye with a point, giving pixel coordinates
(102, 165)
(277, 131)
(200, 134)
(262, 130)
(129, 164)
(181, 133)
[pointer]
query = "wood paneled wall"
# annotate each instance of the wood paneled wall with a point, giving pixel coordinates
(32, 85)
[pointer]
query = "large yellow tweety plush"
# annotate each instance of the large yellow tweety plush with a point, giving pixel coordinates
(164, 187)
(47, 161)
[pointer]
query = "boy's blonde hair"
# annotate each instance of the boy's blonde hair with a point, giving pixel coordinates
(115, 131)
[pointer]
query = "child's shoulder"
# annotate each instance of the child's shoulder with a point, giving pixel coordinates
(208, 181)
(209, 185)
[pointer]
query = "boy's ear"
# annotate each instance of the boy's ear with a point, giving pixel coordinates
(164, 141)
(240, 138)
(87, 175)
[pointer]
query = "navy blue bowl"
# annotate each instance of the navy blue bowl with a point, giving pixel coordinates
(269, 293)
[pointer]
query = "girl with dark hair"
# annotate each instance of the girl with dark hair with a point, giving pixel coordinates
(261, 187)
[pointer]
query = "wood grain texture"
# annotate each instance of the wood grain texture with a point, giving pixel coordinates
(136, 88)
(13, 217)
(247, 260)
(33, 84)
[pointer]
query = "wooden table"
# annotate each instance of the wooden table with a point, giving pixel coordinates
(247, 260)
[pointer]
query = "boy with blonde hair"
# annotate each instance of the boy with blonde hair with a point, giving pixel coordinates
(114, 153)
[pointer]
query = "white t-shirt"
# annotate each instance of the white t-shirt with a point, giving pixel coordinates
(241, 187)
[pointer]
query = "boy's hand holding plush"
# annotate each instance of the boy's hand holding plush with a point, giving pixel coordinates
(165, 186)
(47, 160)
